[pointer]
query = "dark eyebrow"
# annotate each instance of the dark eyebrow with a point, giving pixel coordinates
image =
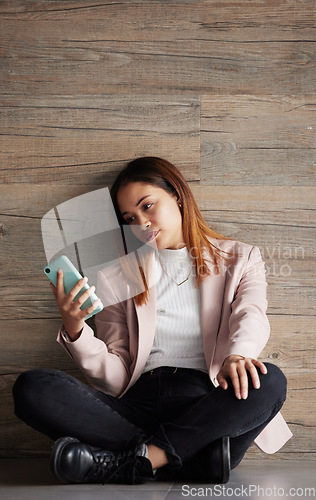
(137, 203)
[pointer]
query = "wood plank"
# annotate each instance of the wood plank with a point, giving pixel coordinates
(301, 394)
(222, 47)
(225, 163)
(229, 220)
(34, 200)
(260, 140)
(87, 140)
(234, 67)
(32, 344)
(291, 346)
(255, 198)
(225, 20)
(262, 121)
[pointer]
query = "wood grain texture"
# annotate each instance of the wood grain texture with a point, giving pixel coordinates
(226, 91)
(204, 19)
(74, 48)
(247, 140)
(87, 140)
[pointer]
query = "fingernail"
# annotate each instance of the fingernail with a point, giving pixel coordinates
(59, 271)
(257, 385)
(244, 395)
(238, 395)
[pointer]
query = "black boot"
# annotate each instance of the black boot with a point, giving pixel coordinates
(210, 465)
(75, 462)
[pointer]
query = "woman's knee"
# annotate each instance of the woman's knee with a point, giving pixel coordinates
(274, 381)
(27, 388)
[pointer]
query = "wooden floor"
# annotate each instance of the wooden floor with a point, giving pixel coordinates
(225, 90)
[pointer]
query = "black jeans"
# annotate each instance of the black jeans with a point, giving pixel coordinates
(178, 410)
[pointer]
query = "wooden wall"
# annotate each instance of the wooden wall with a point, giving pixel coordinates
(225, 90)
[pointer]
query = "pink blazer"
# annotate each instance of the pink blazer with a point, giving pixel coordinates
(233, 317)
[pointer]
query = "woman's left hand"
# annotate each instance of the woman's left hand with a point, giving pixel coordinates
(236, 368)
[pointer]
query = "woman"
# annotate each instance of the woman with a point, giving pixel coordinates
(175, 385)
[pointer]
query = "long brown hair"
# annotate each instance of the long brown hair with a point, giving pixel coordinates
(163, 174)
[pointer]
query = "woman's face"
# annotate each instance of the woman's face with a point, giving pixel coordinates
(153, 214)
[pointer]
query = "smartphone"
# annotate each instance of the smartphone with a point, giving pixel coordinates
(71, 278)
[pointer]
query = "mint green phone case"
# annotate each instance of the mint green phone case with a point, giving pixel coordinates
(71, 278)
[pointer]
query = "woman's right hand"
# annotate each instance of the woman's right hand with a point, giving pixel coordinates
(72, 315)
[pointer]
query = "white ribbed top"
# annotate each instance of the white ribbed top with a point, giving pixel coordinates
(178, 337)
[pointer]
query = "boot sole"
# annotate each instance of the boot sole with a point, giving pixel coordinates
(58, 448)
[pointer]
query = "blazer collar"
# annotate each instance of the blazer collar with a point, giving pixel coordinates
(146, 316)
(212, 292)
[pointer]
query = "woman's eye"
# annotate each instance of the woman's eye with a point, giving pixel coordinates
(148, 205)
(129, 220)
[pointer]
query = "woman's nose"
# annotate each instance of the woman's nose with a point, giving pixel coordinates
(145, 226)
(143, 222)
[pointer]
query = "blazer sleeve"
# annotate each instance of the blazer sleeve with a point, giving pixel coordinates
(104, 359)
(249, 328)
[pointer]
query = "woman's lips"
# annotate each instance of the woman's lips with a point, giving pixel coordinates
(152, 236)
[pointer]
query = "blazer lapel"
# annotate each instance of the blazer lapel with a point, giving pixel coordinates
(146, 316)
(212, 291)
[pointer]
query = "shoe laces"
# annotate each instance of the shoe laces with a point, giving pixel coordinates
(110, 466)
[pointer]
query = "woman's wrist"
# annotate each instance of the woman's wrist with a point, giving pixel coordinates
(73, 336)
(233, 357)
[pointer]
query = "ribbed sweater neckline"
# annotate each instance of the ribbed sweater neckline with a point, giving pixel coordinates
(167, 255)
